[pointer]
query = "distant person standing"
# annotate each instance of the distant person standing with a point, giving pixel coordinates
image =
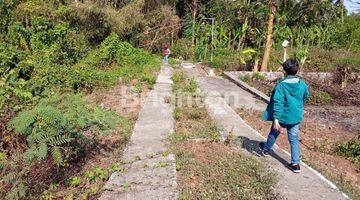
(285, 110)
(166, 53)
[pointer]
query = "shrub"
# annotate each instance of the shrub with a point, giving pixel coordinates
(55, 127)
(182, 49)
(347, 34)
(58, 130)
(351, 150)
(344, 72)
(226, 59)
(179, 79)
(191, 86)
(255, 76)
(320, 97)
(245, 78)
(258, 76)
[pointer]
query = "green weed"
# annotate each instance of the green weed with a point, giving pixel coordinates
(245, 78)
(126, 185)
(118, 167)
(351, 150)
(320, 97)
(160, 165)
(258, 76)
(75, 181)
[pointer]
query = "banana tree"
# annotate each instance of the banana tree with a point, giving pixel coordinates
(251, 55)
(301, 54)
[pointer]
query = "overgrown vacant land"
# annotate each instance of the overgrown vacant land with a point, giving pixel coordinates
(55, 143)
(73, 74)
(209, 168)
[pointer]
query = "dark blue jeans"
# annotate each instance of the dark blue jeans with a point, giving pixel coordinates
(292, 131)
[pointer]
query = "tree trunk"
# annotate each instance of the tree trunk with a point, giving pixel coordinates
(342, 10)
(265, 61)
(256, 65)
(195, 5)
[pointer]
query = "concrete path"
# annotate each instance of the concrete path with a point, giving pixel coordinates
(308, 185)
(232, 94)
(150, 171)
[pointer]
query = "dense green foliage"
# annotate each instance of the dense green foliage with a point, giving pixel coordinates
(58, 129)
(47, 48)
(351, 150)
(51, 54)
(242, 24)
(57, 123)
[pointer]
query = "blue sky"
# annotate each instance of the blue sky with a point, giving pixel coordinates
(352, 5)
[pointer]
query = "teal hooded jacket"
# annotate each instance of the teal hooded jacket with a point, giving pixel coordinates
(287, 101)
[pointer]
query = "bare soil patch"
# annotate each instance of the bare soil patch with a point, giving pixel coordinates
(328, 102)
(126, 100)
(323, 92)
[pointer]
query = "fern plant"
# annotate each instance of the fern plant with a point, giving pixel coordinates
(46, 131)
(55, 127)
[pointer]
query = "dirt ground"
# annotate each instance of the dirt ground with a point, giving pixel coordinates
(123, 99)
(319, 138)
(348, 96)
(328, 102)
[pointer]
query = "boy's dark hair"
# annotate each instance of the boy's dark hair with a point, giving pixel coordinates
(291, 66)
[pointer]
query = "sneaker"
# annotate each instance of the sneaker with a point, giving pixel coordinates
(263, 149)
(294, 167)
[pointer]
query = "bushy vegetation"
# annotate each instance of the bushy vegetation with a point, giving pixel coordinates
(52, 54)
(320, 97)
(310, 27)
(351, 150)
(247, 78)
(58, 130)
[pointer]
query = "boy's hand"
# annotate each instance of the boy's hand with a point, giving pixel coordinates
(276, 126)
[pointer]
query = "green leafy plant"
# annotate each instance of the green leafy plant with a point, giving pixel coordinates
(320, 97)
(351, 150)
(191, 87)
(118, 167)
(161, 164)
(258, 76)
(90, 175)
(301, 54)
(75, 181)
(126, 185)
(245, 78)
(54, 126)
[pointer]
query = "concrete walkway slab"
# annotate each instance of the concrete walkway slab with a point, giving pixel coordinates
(150, 171)
(307, 185)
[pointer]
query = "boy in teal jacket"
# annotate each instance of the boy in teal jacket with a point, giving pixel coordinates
(285, 110)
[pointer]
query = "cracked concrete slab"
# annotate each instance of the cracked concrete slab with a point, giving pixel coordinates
(150, 171)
